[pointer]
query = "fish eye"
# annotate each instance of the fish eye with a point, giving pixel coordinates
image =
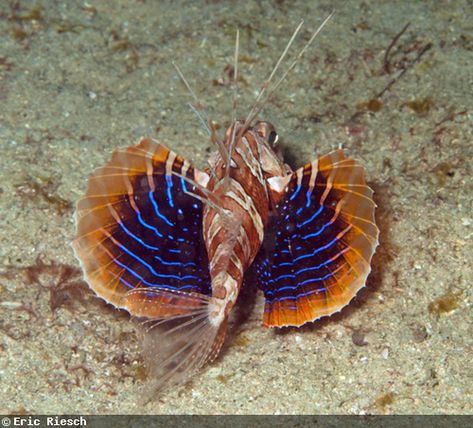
(273, 138)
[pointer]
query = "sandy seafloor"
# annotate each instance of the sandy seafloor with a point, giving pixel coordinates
(79, 79)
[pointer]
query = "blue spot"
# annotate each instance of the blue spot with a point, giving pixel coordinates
(125, 282)
(318, 250)
(312, 235)
(151, 284)
(129, 233)
(183, 186)
(308, 194)
(298, 189)
(312, 218)
(169, 185)
(308, 269)
(164, 262)
(282, 277)
(297, 296)
(156, 209)
(323, 278)
(140, 219)
(150, 268)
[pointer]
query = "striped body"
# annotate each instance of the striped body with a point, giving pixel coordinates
(234, 237)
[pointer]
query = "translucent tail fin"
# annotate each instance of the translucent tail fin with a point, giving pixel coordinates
(177, 346)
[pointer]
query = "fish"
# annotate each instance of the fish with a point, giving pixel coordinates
(173, 244)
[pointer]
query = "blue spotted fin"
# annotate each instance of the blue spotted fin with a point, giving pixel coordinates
(317, 253)
(137, 227)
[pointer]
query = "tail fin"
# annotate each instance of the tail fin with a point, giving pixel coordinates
(177, 346)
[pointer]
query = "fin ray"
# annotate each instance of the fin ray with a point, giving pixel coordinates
(138, 227)
(324, 238)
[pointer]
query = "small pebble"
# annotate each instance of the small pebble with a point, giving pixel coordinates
(358, 338)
